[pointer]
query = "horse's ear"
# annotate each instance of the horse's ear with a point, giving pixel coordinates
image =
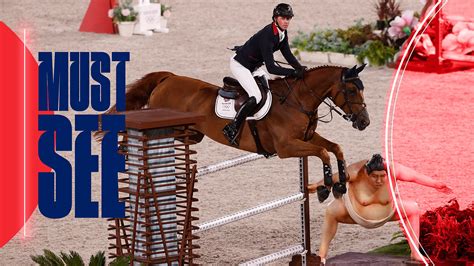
(358, 70)
(350, 72)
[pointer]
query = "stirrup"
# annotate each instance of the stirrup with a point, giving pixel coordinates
(231, 133)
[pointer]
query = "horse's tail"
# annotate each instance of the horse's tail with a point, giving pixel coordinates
(137, 95)
(139, 92)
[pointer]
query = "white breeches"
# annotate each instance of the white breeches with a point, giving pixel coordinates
(245, 78)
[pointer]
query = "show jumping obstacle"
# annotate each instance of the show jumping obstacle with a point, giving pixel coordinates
(300, 251)
(159, 190)
(159, 225)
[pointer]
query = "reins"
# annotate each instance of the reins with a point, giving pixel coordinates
(310, 114)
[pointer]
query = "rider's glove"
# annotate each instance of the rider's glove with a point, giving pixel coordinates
(298, 73)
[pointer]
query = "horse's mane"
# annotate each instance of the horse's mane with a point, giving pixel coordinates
(323, 66)
(316, 68)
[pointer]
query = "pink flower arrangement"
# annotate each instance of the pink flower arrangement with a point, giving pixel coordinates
(461, 40)
(167, 14)
(123, 12)
(402, 25)
(165, 10)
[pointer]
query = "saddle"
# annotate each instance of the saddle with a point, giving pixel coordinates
(233, 90)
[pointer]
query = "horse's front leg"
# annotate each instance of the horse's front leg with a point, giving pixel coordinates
(299, 148)
(338, 188)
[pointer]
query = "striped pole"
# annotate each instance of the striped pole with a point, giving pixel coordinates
(205, 170)
(294, 250)
(248, 212)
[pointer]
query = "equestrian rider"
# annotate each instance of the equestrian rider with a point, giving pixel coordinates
(250, 57)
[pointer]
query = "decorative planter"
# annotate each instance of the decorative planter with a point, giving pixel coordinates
(125, 28)
(328, 58)
(314, 57)
(163, 23)
(342, 59)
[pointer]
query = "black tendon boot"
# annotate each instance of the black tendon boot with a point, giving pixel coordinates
(324, 191)
(339, 188)
(231, 130)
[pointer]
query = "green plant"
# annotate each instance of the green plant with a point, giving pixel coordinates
(51, 259)
(347, 41)
(376, 53)
(74, 259)
(323, 41)
(120, 261)
(123, 12)
(357, 39)
(98, 259)
(400, 248)
(357, 34)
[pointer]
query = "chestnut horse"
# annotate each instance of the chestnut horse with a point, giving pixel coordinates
(288, 130)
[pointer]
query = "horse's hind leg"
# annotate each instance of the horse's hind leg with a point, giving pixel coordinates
(338, 188)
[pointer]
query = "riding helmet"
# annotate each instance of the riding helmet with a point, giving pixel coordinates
(283, 10)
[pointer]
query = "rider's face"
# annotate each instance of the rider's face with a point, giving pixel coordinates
(283, 22)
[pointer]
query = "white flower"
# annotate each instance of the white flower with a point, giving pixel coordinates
(111, 13)
(167, 14)
(126, 12)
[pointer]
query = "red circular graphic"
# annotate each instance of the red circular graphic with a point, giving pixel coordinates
(14, 209)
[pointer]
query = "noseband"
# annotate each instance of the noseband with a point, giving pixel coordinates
(351, 116)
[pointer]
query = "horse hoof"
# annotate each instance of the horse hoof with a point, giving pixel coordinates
(338, 189)
(323, 193)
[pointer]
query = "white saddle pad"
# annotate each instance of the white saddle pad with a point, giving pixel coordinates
(225, 108)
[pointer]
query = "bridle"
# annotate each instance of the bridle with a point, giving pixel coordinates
(312, 114)
(349, 117)
(357, 82)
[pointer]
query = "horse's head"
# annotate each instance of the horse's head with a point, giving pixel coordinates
(348, 94)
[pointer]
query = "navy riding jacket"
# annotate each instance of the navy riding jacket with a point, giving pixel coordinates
(259, 49)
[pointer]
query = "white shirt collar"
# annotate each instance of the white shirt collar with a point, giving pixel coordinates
(281, 34)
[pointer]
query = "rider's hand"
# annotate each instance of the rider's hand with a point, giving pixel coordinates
(298, 73)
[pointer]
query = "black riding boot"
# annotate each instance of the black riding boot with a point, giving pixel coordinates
(264, 82)
(231, 130)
